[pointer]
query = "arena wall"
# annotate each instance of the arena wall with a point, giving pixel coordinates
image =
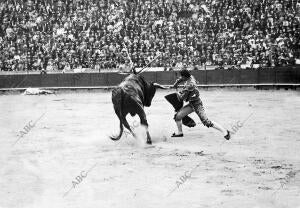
(281, 75)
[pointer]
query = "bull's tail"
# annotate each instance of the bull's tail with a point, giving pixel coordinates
(115, 138)
(117, 99)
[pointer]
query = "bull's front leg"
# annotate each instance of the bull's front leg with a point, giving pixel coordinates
(144, 122)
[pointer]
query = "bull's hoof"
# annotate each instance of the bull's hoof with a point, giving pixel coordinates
(149, 142)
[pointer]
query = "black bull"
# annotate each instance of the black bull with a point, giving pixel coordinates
(132, 94)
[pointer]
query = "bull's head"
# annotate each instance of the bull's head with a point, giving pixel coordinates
(151, 92)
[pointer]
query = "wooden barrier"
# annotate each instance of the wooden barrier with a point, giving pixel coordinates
(282, 75)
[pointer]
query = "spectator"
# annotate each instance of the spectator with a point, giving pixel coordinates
(92, 34)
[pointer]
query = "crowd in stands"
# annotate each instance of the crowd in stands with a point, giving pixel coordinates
(101, 34)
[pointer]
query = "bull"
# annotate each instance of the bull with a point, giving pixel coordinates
(131, 96)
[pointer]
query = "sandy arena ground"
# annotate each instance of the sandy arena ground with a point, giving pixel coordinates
(64, 158)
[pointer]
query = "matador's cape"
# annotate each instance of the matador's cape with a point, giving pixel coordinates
(178, 104)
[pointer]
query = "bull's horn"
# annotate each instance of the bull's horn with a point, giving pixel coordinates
(159, 86)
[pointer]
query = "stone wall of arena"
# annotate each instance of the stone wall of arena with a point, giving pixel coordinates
(280, 75)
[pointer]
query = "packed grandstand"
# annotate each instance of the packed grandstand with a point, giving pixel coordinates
(96, 34)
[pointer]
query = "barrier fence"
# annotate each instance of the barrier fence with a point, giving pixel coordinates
(280, 75)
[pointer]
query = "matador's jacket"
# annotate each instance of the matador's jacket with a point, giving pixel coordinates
(190, 91)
